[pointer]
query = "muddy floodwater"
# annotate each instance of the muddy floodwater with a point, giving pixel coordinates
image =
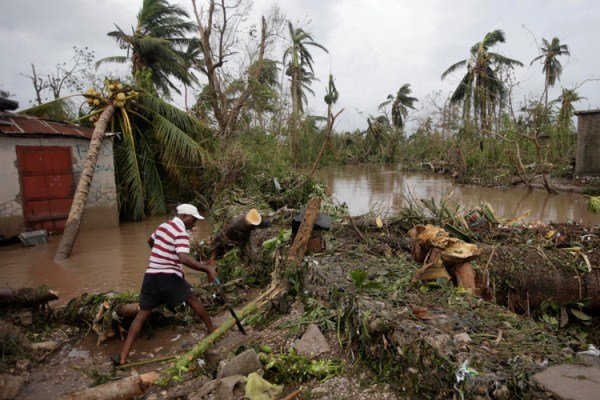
(382, 188)
(115, 259)
(102, 260)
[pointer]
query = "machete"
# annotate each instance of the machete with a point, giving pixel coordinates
(222, 295)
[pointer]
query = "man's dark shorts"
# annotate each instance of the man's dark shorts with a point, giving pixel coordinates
(158, 289)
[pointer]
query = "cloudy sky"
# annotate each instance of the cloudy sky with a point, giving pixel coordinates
(374, 46)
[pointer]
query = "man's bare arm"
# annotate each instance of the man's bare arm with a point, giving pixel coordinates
(189, 261)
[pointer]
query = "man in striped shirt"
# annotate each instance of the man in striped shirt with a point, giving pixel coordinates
(164, 279)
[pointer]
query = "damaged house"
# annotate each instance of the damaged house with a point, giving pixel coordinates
(41, 161)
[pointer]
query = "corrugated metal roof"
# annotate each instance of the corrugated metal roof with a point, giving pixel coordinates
(25, 125)
(583, 112)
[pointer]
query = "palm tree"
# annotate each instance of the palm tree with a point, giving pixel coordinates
(552, 67)
(565, 113)
(264, 76)
(299, 59)
(400, 105)
(159, 141)
(157, 43)
(191, 56)
(481, 88)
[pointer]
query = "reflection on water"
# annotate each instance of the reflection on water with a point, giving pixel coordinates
(102, 260)
(367, 187)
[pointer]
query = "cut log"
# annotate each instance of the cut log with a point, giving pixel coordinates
(445, 254)
(428, 236)
(122, 389)
(368, 222)
(459, 253)
(465, 277)
(26, 297)
(236, 234)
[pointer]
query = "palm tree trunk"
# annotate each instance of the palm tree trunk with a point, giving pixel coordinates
(185, 97)
(294, 119)
(330, 121)
(83, 187)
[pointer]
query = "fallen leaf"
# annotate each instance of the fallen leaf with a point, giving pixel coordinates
(422, 313)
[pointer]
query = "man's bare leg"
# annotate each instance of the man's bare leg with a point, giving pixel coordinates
(200, 311)
(134, 330)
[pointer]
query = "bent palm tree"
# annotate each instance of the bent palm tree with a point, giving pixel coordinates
(158, 140)
(157, 43)
(299, 58)
(481, 88)
(400, 105)
(552, 67)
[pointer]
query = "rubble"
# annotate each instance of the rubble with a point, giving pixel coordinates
(242, 364)
(312, 343)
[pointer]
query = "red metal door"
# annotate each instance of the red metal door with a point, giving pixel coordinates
(46, 185)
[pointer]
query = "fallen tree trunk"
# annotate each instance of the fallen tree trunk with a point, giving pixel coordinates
(368, 222)
(523, 277)
(237, 233)
(128, 310)
(278, 288)
(122, 389)
(26, 297)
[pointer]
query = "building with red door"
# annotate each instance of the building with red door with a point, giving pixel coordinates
(40, 164)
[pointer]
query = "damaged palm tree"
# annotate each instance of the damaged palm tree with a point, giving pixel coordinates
(271, 299)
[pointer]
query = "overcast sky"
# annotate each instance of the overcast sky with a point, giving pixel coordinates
(374, 46)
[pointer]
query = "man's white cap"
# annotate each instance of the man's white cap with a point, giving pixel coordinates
(188, 209)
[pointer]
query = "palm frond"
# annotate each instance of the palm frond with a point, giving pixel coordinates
(62, 109)
(154, 193)
(502, 60)
(128, 176)
(453, 68)
(112, 59)
(536, 59)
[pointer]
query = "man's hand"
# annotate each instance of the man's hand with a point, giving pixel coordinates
(206, 267)
(211, 272)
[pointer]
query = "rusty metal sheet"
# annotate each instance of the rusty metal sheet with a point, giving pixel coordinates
(46, 185)
(18, 124)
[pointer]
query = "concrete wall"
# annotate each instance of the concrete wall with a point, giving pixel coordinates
(101, 207)
(587, 158)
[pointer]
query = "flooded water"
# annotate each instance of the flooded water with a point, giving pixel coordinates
(102, 260)
(382, 188)
(116, 258)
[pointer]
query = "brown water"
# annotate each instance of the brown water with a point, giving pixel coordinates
(116, 258)
(382, 188)
(102, 260)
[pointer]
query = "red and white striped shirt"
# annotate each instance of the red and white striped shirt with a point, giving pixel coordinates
(170, 239)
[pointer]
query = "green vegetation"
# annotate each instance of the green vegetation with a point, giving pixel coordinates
(249, 123)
